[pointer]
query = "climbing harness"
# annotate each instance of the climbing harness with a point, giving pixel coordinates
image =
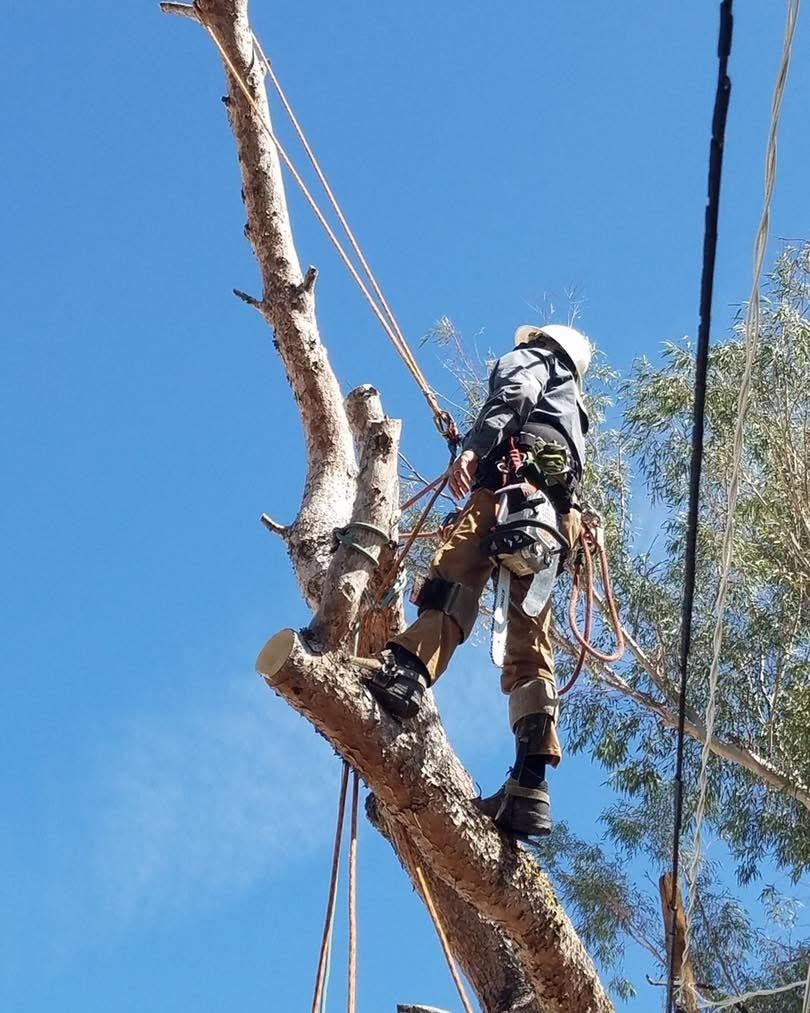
(524, 541)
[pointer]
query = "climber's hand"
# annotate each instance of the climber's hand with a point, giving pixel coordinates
(462, 471)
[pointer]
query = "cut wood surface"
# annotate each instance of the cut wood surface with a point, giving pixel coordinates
(427, 793)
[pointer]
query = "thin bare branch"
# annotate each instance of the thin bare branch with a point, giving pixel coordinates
(257, 304)
(273, 526)
(695, 729)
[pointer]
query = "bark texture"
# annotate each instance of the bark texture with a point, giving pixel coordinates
(372, 525)
(426, 792)
(510, 933)
(288, 305)
(485, 955)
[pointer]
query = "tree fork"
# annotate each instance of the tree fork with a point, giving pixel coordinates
(420, 784)
(424, 789)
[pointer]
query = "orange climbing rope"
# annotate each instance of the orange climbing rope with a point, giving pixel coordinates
(352, 969)
(427, 897)
(319, 997)
(329, 919)
(591, 542)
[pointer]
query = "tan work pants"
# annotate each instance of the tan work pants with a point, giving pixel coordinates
(528, 671)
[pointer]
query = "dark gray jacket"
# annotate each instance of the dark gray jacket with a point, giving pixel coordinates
(530, 387)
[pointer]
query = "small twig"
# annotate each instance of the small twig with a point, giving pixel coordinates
(183, 10)
(273, 526)
(416, 476)
(257, 304)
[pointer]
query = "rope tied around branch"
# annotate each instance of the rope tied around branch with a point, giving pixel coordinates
(343, 536)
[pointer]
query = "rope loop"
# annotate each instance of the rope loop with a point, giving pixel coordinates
(592, 544)
(446, 426)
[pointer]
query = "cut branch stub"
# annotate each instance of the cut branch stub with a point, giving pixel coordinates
(423, 788)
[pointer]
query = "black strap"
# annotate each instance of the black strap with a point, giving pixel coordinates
(455, 600)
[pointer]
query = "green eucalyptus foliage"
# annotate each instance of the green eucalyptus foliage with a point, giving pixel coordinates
(637, 478)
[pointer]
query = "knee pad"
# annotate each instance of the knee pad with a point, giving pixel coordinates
(458, 602)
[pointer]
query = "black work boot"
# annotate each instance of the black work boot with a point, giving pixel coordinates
(400, 684)
(522, 807)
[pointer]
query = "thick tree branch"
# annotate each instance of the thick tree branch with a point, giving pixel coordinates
(425, 790)
(485, 955)
(288, 305)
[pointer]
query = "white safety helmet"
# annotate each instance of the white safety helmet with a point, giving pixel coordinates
(572, 342)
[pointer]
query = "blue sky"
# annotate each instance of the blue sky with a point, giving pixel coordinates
(166, 820)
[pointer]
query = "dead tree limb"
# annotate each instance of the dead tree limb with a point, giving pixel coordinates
(288, 305)
(422, 790)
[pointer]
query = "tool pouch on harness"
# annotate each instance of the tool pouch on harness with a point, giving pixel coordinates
(547, 463)
(455, 600)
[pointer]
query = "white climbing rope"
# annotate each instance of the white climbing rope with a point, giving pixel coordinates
(735, 1000)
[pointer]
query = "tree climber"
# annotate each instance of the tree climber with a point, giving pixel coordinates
(528, 437)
